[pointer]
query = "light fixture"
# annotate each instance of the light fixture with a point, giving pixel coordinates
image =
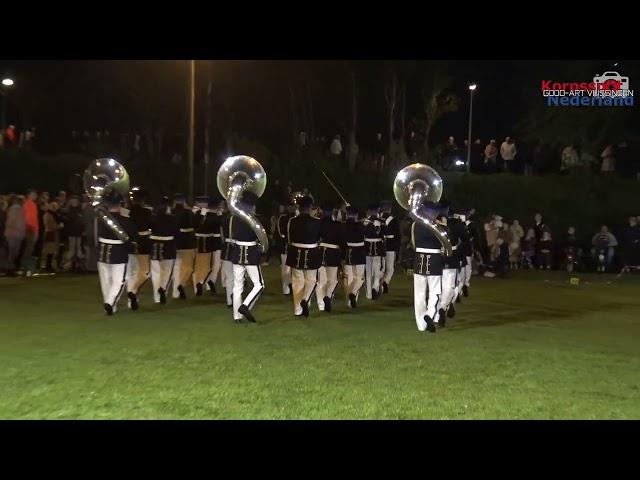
(7, 82)
(473, 86)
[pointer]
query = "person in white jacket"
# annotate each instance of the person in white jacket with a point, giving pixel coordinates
(508, 153)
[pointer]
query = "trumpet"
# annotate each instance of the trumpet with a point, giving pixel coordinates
(103, 177)
(241, 174)
(414, 184)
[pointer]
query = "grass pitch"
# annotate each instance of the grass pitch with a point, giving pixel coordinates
(528, 347)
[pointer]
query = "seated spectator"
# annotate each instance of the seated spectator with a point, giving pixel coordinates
(604, 241)
(545, 247)
(529, 248)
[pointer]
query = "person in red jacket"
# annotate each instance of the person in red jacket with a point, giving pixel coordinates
(30, 209)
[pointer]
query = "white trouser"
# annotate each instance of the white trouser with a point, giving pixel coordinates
(285, 273)
(138, 271)
(227, 279)
(112, 279)
(459, 280)
(448, 288)
(216, 267)
(373, 274)
(354, 278)
(161, 273)
(423, 307)
(183, 269)
(389, 266)
(467, 272)
(238, 285)
(327, 283)
(303, 282)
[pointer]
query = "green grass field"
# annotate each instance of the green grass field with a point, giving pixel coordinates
(518, 348)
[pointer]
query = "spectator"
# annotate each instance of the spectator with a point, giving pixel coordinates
(529, 248)
(545, 247)
(571, 242)
(515, 250)
(30, 209)
(336, 146)
(492, 230)
(604, 241)
(476, 157)
(302, 139)
(379, 151)
(90, 235)
(632, 243)
(608, 165)
(451, 152)
(74, 227)
(508, 153)
(14, 232)
(490, 157)
(3, 240)
(11, 136)
(502, 258)
(52, 229)
(569, 159)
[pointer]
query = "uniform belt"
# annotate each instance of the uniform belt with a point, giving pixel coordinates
(305, 245)
(329, 245)
(428, 250)
(358, 244)
(144, 233)
(206, 235)
(389, 236)
(161, 239)
(110, 241)
(229, 240)
(186, 230)
(245, 244)
(372, 240)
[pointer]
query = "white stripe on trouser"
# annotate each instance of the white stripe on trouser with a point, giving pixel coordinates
(138, 272)
(389, 266)
(227, 279)
(202, 268)
(112, 279)
(467, 272)
(183, 269)
(327, 282)
(303, 283)
(424, 285)
(285, 273)
(373, 274)
(354, 279)
(161, 273)
(216, 266)
(253, 271)
(448, 288)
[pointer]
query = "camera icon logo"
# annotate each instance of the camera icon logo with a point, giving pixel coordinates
(611, 81)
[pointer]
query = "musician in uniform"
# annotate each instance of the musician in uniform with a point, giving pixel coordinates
(281, 230)
(451, 264)
(374, 243)
(391, 244)
(139, 267)
(245, 254)
(427, 268)
(354, 256)
(226, 274)
(185, 246)
(164, 229)
(113, 255)
(206, 226)
(216, 211)
(467, 249)
(331, 257)
(303, 236)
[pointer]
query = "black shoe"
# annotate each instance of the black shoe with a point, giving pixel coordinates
(465, 290)
(212, 286)
(108, 309)
(244, 310)
(458, 299)
(374, 294)
(133, 299)
(451, 312)
(431, 326)
(327, 304)
(183, 295)
(352, 300)
(385, 287)
(198, 289)
(305, 308)
(163, 296)
(442, 318)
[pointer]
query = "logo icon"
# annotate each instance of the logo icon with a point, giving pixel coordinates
(611, 81)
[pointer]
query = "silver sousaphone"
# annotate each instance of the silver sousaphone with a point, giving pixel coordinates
(414, 184)
(241, 174)
(101, 178)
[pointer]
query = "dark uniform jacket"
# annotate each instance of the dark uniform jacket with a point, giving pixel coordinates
(391, 234)
(164, 229)
(374, 236)
(111, 249)
(330, 242)
(303, 235)
(185, 239)
(281, 230)
(227, 241)
(245, 249)
(353, 246)
(428, 258)
(208, 230)
(456, 231)
(469, 238)
(142, 218)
